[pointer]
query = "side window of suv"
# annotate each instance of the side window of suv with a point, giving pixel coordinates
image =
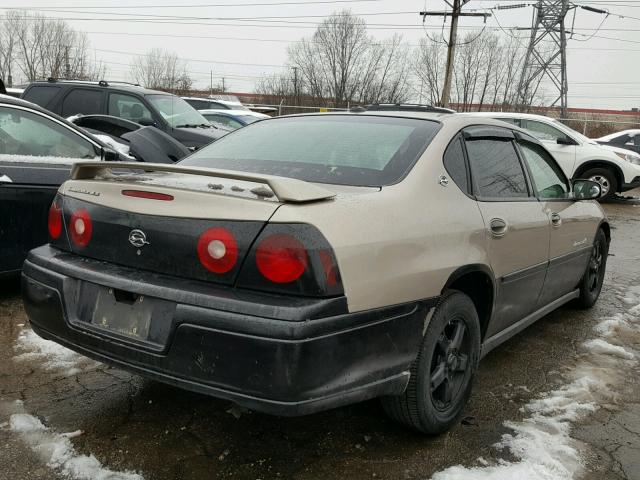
(455, 164)
(496, 169)
(81, 100)
(548, 179)
(130, 108)
(41, 94)
(198, 104)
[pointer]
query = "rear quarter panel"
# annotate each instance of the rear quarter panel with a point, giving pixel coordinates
(401, 243)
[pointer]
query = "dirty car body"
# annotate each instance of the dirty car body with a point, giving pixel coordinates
(306, 274)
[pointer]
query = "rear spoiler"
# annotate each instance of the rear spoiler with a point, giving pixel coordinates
(285, 189)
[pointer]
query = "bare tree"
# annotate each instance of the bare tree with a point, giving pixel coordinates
(40, 47)
(341, 64)
(161, 69)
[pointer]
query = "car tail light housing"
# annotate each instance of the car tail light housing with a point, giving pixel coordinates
(80, 227)
(55, 221)
(292, 258)
(218, 250)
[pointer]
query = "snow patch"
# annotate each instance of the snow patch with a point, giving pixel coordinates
(53, 357)
(57, 451)
(542, 442)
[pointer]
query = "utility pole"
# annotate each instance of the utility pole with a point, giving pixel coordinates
(295, 85)
(223, 87)
(451, 47)
(67, 65)
(211, 83)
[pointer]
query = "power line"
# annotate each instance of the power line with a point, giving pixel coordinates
(205, 5)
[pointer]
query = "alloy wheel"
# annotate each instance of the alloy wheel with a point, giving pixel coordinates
(605, 185)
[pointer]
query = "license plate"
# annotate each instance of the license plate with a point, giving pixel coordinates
(130, 318)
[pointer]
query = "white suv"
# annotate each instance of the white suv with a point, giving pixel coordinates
(615, 169)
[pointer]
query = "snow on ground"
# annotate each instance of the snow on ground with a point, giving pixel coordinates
(53, 357)
(542, 442)
(56, 450)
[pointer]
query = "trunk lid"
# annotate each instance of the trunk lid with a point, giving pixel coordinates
(163, 234)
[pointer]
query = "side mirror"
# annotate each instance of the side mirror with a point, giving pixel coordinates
(586, 190)
(565, 141)
(109, 155)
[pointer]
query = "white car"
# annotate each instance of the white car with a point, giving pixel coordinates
(627, 139)
(615, 169)
(232, 119)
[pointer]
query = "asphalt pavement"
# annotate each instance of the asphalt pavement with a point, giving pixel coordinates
(128, 424)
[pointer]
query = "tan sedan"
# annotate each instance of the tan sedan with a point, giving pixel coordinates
(303, 263)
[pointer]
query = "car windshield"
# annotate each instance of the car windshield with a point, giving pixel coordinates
(359, 150)
(177, 112)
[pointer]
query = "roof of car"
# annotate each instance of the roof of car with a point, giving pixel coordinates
(129, 87)
(531, 116)
(246, 113)
(631, 131)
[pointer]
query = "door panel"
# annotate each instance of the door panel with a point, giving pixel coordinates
(24, 208)
(571, 240)
(518, 258)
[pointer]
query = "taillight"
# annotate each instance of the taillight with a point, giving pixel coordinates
(80, 227)
(293, 259)
(55, 221)
(218, 250)
(281, 258)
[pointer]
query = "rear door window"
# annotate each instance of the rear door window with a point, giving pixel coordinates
(41, 94)
(496, 169)
(83, 101)
(129, 107)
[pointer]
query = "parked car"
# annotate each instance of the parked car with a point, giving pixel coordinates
(232, 119)
(215, 103)
(37, 151)
(615, 169)
(164, 111)
(131, 139)
(331, 258)
(627, 139)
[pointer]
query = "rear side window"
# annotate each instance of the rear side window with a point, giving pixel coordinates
(360, 150)
(84, 101)
(455, 165)
(198, 104)
(496, 169)
(41, 94)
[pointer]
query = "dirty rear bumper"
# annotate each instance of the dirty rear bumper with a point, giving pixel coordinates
(271, 353)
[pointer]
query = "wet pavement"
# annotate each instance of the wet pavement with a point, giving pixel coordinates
(136, 425)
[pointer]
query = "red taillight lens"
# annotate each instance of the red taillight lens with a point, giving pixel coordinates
(218, 250)
(281, 258)
(55, 221)
(81, 227)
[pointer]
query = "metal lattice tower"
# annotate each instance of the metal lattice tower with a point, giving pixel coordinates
(546, 55)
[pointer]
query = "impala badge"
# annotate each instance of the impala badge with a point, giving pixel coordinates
(138, 238)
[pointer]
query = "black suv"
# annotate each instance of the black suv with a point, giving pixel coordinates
(164, 111)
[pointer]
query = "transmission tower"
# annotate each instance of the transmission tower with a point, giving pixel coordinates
(546, 55)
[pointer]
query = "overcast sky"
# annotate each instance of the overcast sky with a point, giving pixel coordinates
(603, 66)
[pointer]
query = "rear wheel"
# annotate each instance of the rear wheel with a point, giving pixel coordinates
(442, 374)
(607, 180)
(591, 282)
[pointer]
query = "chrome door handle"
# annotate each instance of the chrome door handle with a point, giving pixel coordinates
(498, 227)
(5, 179)
(556, 220)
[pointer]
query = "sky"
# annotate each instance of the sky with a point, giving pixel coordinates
(602, 56)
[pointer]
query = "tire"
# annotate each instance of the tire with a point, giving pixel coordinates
(422, 407)
(591, 282)
(607, 180)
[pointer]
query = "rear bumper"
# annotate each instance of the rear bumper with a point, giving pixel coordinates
(271, 353)
(635, 183)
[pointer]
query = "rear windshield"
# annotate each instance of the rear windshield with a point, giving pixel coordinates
(338, 149)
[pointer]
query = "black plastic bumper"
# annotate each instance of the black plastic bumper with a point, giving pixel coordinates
(635, 183)
(272, 353)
